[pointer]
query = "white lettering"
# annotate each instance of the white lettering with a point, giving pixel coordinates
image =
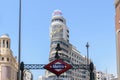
(58, 66)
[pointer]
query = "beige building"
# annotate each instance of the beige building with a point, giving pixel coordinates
(117, 25)
(8, 63)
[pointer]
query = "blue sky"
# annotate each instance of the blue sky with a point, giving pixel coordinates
(90, 21)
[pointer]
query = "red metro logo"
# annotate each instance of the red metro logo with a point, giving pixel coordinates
(58, 67)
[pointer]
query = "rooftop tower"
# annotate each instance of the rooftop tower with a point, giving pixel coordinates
(58, 28)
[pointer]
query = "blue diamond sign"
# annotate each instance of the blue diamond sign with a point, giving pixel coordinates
(58, 67)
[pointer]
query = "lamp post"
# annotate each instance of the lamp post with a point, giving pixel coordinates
(90, 65)
(58, 48)
(87, 64)
(87, 46)
(19, 41)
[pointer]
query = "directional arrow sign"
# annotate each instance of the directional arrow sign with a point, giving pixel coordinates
(58, 67)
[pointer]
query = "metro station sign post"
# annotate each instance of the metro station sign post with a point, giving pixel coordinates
(58, 67)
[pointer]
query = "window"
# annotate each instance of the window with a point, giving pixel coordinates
(7, 59)
(68, 31)
(68, 36)
(67, 40)
(2, 58)
(7, 44)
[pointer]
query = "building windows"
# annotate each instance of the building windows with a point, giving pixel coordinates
(6, 59)
(83, 76)
(60, 42)
(52, 49)
(65, 50)
(57, 19)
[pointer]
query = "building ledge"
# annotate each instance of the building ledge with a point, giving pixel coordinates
(116, 2)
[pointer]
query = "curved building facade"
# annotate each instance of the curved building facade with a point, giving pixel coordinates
(59, 33)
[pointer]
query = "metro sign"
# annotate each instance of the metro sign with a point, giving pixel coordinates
(58, 67)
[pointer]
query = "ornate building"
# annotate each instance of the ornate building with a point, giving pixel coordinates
(59, 33)
(8, 63)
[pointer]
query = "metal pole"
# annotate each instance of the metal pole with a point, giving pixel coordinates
(22, 74)
(19, 42)
(87, 46)
(22, 69)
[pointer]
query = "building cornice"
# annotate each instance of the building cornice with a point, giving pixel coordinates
(116, 2)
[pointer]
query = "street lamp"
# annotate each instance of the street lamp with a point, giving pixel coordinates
(90, 65)
(87, 64)
(58, 48)
(87, 46)
(19, 41)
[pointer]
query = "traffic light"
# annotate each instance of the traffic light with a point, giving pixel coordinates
(22, 66)
(91, 68)
(22, 69)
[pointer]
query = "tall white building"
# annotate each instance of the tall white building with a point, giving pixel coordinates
(59, 33)
(8, 63)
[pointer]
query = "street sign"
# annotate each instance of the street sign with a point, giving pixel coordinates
(58, 67)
